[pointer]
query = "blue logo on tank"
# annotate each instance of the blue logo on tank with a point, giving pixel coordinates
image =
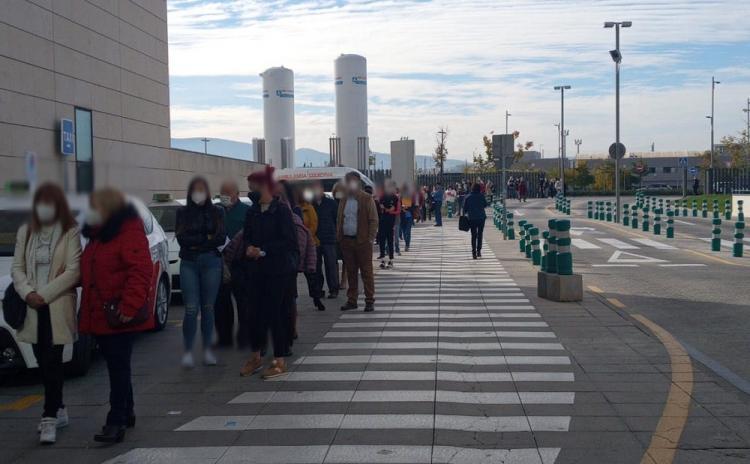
(285, 93)
(359, 80)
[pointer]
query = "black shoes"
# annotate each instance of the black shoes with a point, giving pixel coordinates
(319, 304)
(111, 434)
(474, 255)
(369, 307)
(349, 306)
(479, 253)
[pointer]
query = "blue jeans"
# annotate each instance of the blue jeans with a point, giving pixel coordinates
(200, 279)
(406, 223)
(439, 213)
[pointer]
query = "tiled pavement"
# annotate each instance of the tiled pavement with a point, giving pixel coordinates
(454, 366)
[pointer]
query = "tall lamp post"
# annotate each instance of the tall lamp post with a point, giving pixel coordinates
(617, 58)
(747, 131)
(578, 143)
(562, 89)
(507, 115)
(713, 119)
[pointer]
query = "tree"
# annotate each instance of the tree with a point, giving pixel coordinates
(484, 162)
(738, 149)
(521, 148)
(582, 177)
(441, 152)
(604, 176)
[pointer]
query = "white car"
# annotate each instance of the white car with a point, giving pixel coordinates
(327, 176)
(18, 355)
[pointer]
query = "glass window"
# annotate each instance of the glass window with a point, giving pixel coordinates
(666, 170)
(84, 151)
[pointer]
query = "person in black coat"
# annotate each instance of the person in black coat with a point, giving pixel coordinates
(327, 210)
(474, 208)
(271, 258)
(199, 230)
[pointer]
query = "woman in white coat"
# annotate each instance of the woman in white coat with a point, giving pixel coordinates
(45, 274)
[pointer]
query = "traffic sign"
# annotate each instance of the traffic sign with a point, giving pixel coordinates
(502, 145)
(683, 162)
(693, 170)
(67, 137)
(618, 150)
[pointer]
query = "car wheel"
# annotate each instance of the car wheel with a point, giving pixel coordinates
(83, 353)
(161, 310)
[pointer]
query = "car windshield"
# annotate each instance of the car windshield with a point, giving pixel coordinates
(166, 216)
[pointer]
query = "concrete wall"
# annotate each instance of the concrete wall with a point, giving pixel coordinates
(107, 56)
(402, 161)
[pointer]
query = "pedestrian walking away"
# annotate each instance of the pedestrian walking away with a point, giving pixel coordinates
(45, 271)
(474, 209)
(356, 228)
(116, 272)
(389, 209)
(305, 199)
(271, 259)
(327, 257)
(234, 217)
(200, 231)
(437, 204)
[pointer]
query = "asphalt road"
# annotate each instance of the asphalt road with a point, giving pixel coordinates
(701, 297)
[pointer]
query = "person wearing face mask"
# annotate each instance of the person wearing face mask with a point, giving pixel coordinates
(45, 273)
(271, 258)
(116, 274)
(356, 227)
(327, 210)
(310, 220)
(390, 208)
(200, 231)
(234, 217)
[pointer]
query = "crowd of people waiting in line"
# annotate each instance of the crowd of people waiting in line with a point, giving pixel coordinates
(247, 254)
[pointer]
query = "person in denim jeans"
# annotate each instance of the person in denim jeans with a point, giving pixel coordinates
(200, 232)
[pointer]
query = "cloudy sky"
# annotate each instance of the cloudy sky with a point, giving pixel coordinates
(461, 63)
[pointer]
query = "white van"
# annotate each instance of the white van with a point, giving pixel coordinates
(328, 176)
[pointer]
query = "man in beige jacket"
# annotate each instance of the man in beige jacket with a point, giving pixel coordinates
(356, 228)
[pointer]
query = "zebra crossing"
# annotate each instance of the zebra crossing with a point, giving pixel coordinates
(620, 244)
(454, 366)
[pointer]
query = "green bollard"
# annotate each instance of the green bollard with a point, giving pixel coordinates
(695, 208)
(644, 225)
(684, 208)
(716, 232)
(670, 224)
(657, 221)
(728, 210)
(626, 215)
(536, 253)
(590, 209)
(511, 231)
(634, 218)
(704, 209)
(564, 256)
(739, 235)
(552, 255)
(609, 211)
(545, 250)
(450, 209)
(740, 213)
(527, 234)
(521, 237)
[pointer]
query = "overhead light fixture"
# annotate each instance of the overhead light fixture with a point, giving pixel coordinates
(609, 24)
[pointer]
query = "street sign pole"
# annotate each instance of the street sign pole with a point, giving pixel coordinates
(684, 182)
(617, 124)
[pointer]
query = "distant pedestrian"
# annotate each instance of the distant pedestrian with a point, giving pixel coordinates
(310, 220)
(474, 209)
(116, 272)
(437, 204)
(523, 190)
(407, 215)
(200, 231)
(389, 209)
(356, 227)
(234, 217)
(46, 271)
(696, 186)
(327, 210)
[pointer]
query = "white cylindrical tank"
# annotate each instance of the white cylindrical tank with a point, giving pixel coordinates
(278, 114)
(351, 109)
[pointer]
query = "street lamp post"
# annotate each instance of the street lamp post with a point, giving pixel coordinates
(507, 115)
(205, 144)
(617, 58)
(562, 89)
(747, 131)
(713, 119)
(578, 143)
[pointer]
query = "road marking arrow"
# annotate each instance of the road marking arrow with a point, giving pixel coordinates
(617, 257)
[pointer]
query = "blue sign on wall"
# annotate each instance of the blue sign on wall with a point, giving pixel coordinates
(693, 170)
(67, 137)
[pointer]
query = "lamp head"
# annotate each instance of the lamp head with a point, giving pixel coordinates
(609, 24)
(627, 23)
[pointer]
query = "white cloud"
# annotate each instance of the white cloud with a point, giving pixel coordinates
(497, 55)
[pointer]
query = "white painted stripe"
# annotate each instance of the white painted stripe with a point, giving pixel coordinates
(583, 244)
(654, 244)
(618, 244)
(438, 315)
(724, 243)
(431, 358)
(443, 334)
(403, 396)
(452, 324)
(614, 265)
(436, 345)
(684, 222)
(379, 421)
(682, 265)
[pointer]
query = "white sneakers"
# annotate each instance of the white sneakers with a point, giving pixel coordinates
(48, 431)
(187, 360)
(209, 359)
(62, 420)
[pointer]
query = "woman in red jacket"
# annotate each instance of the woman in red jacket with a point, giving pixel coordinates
(116, 271)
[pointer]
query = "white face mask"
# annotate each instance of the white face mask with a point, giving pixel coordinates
(353, 186)
(198, 197)
(226, 200)
(308, 195)
(339, 195)
(45, 212)
(93, 218)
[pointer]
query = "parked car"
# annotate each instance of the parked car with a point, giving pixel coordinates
(77, 356)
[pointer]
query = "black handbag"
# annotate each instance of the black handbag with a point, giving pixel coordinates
(14, 308)
(464, 224)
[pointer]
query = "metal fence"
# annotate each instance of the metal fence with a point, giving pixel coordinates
(729, 180)
(452, 178)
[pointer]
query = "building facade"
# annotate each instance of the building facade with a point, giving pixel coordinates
(102, 64)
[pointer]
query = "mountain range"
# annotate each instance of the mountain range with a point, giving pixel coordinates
(303, 156)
